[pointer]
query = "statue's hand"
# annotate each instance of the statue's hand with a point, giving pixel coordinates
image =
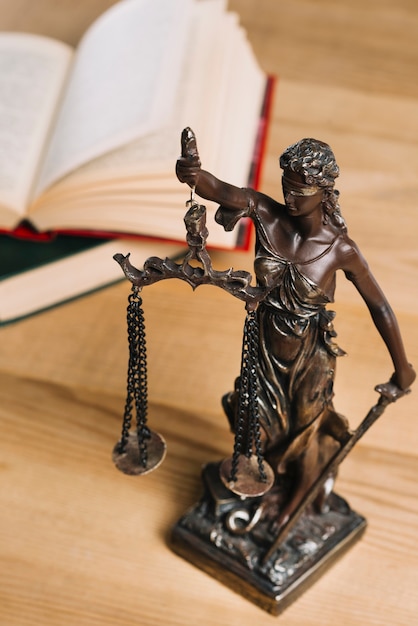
(391, 391)
(187, 172)
(405, 378)
(188, 165)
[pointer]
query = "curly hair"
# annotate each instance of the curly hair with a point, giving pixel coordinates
(315, 162)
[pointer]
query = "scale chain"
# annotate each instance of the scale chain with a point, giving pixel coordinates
(137, 387)
(248, 401)
(255, 433)
(242, 406)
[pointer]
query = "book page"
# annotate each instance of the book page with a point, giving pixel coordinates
(33, 70)
(240, 124)
(219, 95)
(197, 101)
(123, 83)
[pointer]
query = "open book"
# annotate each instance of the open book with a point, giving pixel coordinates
(89, 138)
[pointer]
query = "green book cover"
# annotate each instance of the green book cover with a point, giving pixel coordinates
(20, 255)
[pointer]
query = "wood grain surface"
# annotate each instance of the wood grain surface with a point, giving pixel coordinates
(83, 545)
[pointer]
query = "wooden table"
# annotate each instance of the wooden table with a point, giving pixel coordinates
(82, 544)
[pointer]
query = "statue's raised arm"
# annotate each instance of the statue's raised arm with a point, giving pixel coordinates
(188, 170)
(188, 165)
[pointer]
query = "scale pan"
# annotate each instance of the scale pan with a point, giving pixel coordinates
(248, 483)
(128, 461)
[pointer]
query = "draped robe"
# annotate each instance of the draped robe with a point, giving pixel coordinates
(296, 353)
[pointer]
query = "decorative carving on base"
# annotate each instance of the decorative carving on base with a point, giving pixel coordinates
(229, 537)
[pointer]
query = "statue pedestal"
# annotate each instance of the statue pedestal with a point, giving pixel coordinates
(212, 535)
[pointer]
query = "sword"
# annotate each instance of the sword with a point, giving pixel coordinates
(374, 413)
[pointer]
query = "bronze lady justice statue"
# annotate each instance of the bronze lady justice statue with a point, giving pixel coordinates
(300, 245)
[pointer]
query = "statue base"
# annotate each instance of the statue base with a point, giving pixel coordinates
(228, 537)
